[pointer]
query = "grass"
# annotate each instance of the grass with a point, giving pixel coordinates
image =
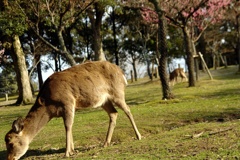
(202, 122)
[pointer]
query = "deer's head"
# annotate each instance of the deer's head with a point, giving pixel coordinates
(16, 143)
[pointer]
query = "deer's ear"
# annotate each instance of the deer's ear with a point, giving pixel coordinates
(41, 101)
(17, 125)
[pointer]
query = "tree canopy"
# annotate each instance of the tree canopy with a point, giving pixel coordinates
(120, 31)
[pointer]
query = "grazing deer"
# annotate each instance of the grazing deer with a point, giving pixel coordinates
(92, 84)
(178, 72)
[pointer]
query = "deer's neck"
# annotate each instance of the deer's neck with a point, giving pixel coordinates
(34, 122)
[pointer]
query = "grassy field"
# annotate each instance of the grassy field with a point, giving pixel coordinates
(202, 122)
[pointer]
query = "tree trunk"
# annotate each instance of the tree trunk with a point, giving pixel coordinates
(148, 69)
(162, 68)
(65, 53)
(57, 62)
(134, 70)
(114, 38)
(238, 39)
(190, 60)
(96, 21)
(24, 88)
(238, 50)
(39, 71)
(239, 55)
(146, 57)
(131, 72)
(98, 50)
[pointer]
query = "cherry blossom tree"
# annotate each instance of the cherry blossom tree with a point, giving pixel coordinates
(152, 14)
(193, 17)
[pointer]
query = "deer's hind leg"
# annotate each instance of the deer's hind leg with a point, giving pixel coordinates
(112, 113)
(120, 102)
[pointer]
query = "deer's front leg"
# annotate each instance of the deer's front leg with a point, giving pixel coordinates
(68, 123)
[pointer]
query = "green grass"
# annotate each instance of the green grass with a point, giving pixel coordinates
(202, 122)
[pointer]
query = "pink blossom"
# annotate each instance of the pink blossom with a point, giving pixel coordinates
(201, 12)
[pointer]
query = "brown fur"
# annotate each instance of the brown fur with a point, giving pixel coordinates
(175, 74)
(92, 84)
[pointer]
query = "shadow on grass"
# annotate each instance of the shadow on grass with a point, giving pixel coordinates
(45, 154)
(223, 93)
(37, 152)
(228, 114)
(227, 76)
(41, 153)
(53, 153)
(188, 119)
(3, 154)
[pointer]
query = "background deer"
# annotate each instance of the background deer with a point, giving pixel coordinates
(92, 84)
(178, 72)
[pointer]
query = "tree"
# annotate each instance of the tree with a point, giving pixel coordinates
(96, 15)
(213, 37)
(145, 32)
(142, 34)
(114, 34)
(34, 48)
(54, 17)
(7, 82)
(156, 16)
(7, 76)
(189, 15)
(131, 50)
(237, 11)
(13, 25)
(117, 17)
(162, 68)
(25, 92)
(175, 42)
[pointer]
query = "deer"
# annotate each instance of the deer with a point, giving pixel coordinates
(91, 84)
(178, 72)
